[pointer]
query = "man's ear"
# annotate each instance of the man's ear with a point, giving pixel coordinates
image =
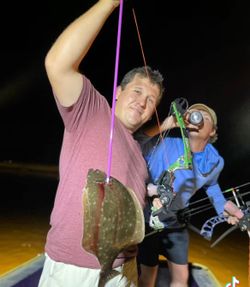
(213, 132)
(118, 92)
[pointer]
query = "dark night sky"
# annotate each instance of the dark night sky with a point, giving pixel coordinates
(203, 51)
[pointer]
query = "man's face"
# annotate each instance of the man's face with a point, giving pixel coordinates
(136, 103)
(205, 131)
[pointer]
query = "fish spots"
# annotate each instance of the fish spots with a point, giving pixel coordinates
(113, 220)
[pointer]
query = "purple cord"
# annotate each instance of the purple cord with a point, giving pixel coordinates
(114, 89)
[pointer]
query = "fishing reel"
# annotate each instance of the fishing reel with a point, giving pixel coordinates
(165, 189)
(165, 217)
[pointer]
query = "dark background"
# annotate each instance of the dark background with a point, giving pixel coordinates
(202, 49)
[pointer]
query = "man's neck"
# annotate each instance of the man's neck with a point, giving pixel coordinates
(197, 145)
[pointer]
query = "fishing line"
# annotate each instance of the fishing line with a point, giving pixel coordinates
(161, 136)
(118, 43)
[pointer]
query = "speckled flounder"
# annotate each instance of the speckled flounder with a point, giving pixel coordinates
(113, 221)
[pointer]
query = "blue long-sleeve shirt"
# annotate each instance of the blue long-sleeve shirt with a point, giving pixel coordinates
(207, 166)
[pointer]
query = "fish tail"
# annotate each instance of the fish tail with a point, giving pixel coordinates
(105, 276)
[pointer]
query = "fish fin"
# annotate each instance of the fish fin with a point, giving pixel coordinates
(106, 276)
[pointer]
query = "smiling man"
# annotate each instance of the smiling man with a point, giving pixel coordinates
(137, 99)
(86, 115)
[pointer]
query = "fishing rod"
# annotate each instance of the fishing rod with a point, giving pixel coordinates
(187, 213)
(223, 192)
(205, 207)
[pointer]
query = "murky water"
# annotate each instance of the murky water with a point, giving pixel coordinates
(24, 218)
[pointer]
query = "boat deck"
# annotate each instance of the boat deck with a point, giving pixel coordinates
(28, 274)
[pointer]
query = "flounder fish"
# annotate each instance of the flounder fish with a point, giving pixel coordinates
(113, 221)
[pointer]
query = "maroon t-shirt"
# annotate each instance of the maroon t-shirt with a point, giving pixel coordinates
(85, 145)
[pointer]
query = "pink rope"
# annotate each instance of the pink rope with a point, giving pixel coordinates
(114, 88)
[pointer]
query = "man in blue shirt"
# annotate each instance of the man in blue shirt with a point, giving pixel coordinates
(173, 242)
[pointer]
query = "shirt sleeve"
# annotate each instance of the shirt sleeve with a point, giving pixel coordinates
(216, 197)
(87, 105)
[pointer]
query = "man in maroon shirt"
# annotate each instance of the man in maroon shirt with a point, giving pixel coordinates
(87, 116)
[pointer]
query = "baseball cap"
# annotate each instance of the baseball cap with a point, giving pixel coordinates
(205, 108)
